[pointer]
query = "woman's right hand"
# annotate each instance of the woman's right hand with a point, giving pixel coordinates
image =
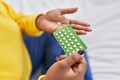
(71, 67)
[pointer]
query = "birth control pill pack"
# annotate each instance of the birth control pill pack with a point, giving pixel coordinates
(69, 40)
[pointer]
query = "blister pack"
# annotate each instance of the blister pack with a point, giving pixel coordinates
(69, 40)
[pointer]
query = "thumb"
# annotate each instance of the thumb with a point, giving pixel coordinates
(71, 60)
(68, 10)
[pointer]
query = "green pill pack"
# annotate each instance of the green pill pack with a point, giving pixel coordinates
(69, 40)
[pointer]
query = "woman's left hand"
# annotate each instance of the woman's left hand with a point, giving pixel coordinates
(54, 20)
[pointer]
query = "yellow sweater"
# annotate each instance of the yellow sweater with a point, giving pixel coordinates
(15, 63)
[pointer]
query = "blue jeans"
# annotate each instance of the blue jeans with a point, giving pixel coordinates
(44, 50)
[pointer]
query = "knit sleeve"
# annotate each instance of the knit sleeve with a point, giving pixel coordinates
(27, 23)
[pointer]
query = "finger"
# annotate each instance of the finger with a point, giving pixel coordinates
(80, 68)
(79, 22)
(80, 27)
(61, 57)
(79, 73)
(82, 65)
(72, 59)
(74, 69)
(80, 32)
(68, 10)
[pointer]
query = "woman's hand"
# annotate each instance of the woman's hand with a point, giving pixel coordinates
(54, 19)
(71, 67)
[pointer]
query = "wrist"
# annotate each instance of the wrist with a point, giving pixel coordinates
(39, 19)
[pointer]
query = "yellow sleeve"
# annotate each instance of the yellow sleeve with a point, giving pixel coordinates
(41, 77)
(26, 22)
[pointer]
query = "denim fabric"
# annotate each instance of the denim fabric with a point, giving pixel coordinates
(44, 50)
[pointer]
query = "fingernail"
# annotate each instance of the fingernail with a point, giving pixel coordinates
(85, 33)
(90, 30)
(81, 52)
